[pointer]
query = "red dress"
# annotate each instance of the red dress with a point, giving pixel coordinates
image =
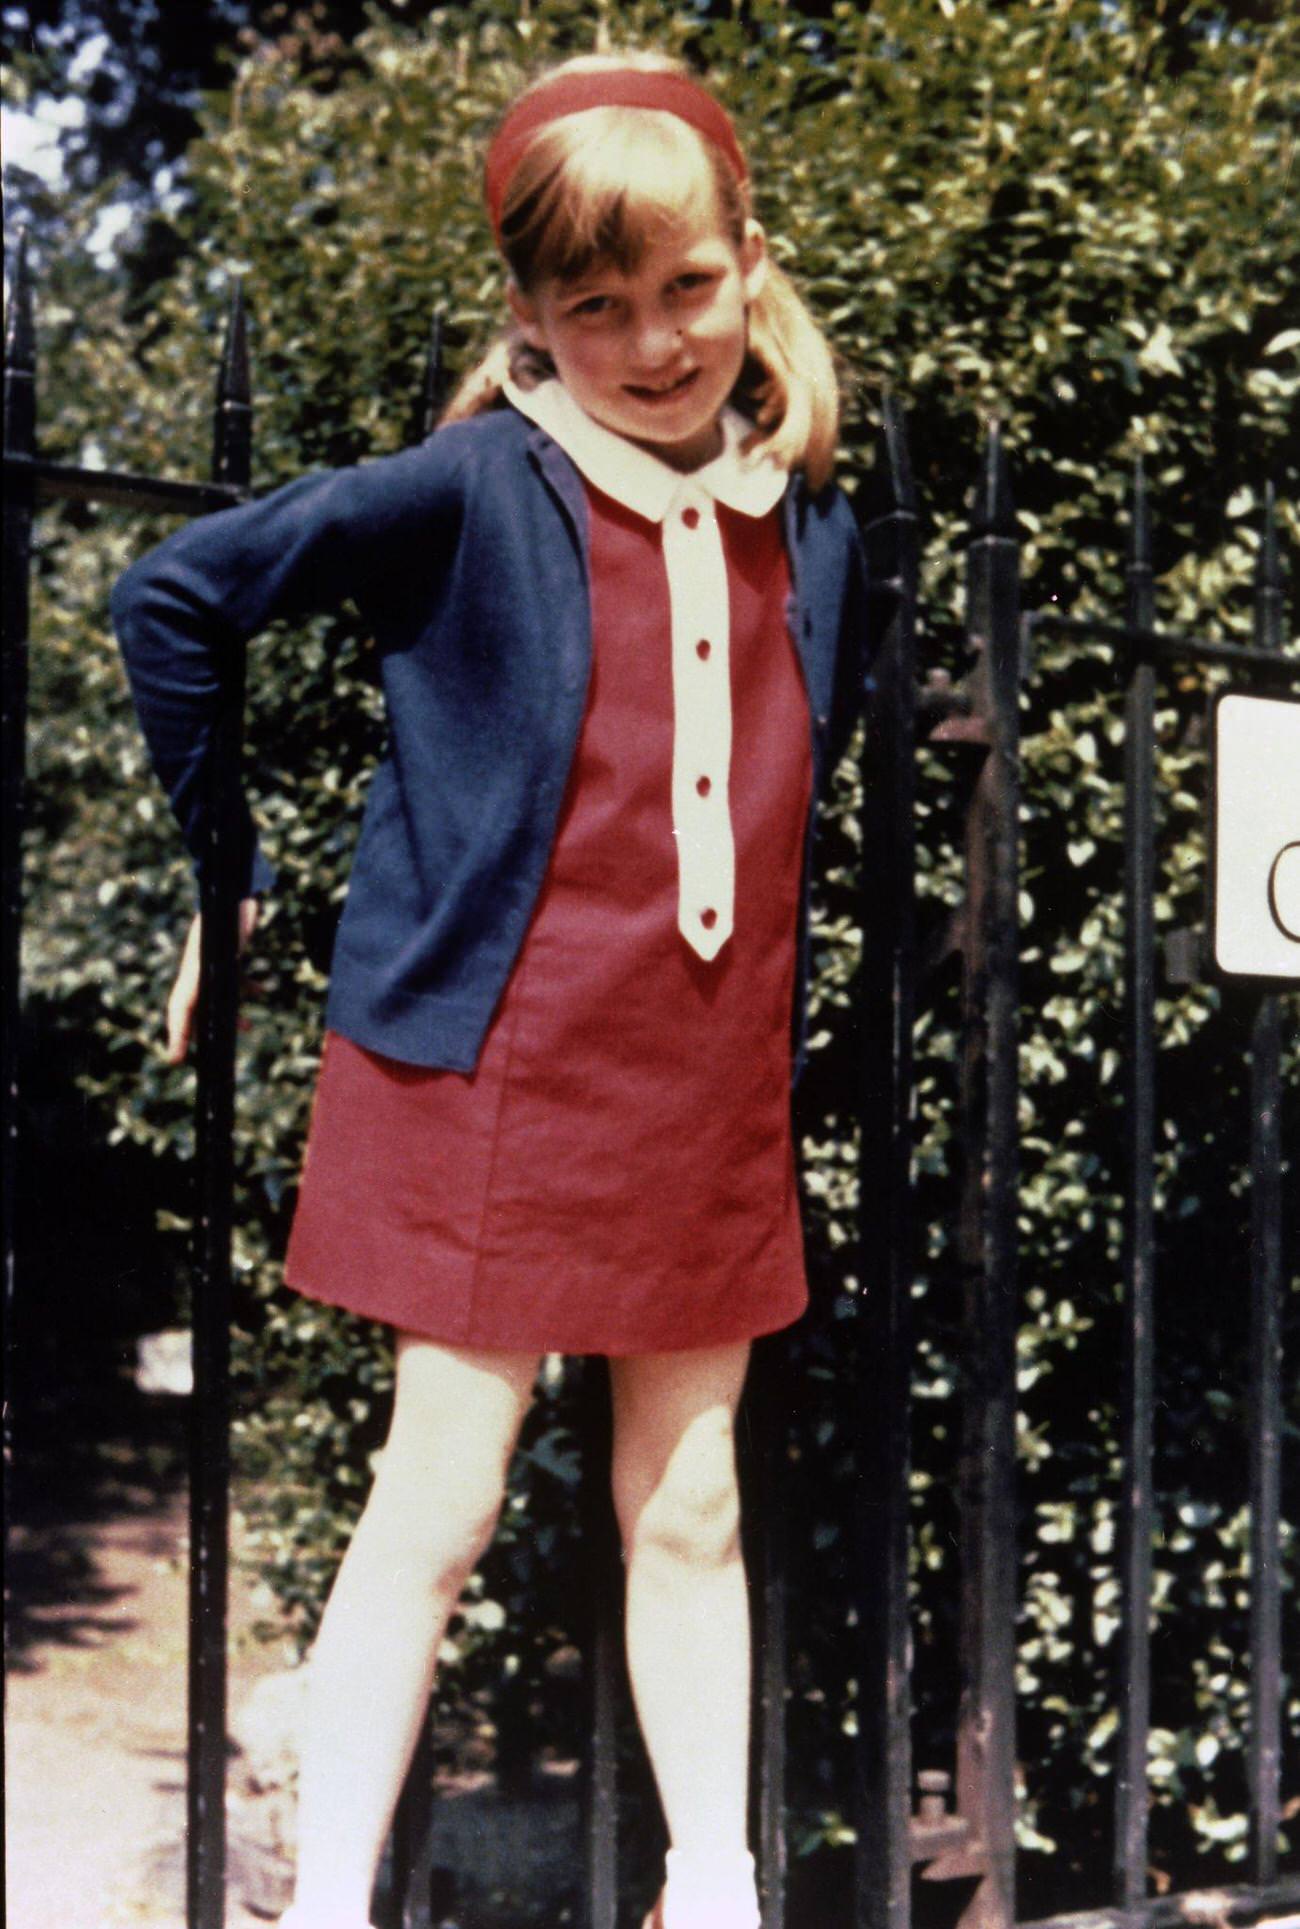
(617, 1174)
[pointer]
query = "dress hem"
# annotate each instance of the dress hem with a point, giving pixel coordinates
(464, 1335)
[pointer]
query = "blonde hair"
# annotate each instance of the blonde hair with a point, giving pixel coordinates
(605, 184)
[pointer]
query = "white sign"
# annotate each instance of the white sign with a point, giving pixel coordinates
(1256, 836)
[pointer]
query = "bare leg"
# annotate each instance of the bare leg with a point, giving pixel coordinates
(688, 1637)
(431, 1512)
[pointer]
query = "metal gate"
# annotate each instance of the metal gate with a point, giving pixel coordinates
(973, 1839)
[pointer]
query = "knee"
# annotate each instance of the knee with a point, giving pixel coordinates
(435, 1534)
(456, 1540)
(687, 1512)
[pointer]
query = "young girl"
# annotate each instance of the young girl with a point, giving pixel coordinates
(621, 622)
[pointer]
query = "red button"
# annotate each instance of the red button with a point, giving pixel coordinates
(702, 649)
(703, 785)
(690, 517)
(708, 919)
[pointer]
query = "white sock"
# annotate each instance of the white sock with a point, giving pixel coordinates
(710, 1891)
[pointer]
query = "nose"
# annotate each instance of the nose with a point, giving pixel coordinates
(655, 340)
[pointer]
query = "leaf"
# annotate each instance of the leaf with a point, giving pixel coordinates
(1157, 355)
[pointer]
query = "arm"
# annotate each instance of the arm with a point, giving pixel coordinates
(183, 999)
(179, 609)
(219, 580)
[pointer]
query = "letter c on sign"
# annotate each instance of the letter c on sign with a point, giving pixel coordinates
(1284, 891)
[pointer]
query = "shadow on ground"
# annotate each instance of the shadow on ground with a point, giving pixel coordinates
(92, 1273)
(83, 1464)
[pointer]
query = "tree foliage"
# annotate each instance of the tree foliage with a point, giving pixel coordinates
(1071, 216)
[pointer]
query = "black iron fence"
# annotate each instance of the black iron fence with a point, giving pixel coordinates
(970, 1838)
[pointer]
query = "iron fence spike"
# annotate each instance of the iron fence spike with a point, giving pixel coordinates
(233, 382)
(20, 326)
(1140, 534)
(435, 377)
(900, 483)
(232, 413)
(994, 510)
(1268, 564)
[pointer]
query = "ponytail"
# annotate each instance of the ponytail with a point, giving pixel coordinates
(789, 384)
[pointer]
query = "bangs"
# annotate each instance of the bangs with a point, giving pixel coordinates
(605, 185)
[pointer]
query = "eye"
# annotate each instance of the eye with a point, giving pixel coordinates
(590, 308)
(692, 281)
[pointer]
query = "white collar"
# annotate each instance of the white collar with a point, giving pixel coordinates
(751, 483)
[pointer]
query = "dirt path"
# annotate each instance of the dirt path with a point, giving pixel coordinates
(95, 1726)
(95, 1714)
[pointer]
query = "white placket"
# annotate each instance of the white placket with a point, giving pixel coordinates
(700, 612)
(701, 663)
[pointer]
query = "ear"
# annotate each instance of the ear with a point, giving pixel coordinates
(526, 316)
(753, 259)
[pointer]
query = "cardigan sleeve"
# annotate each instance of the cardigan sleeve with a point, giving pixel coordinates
(219, 580)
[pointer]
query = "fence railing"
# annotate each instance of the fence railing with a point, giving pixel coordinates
(973, 1840)
(1145, 650)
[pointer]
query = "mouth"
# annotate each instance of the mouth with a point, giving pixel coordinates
(662, 393)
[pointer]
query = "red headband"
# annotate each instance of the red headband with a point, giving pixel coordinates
(665, 93)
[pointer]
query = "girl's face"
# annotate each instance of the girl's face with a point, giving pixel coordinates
(654, 353)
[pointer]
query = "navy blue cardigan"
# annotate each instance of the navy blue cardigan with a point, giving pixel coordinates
(467, 557)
